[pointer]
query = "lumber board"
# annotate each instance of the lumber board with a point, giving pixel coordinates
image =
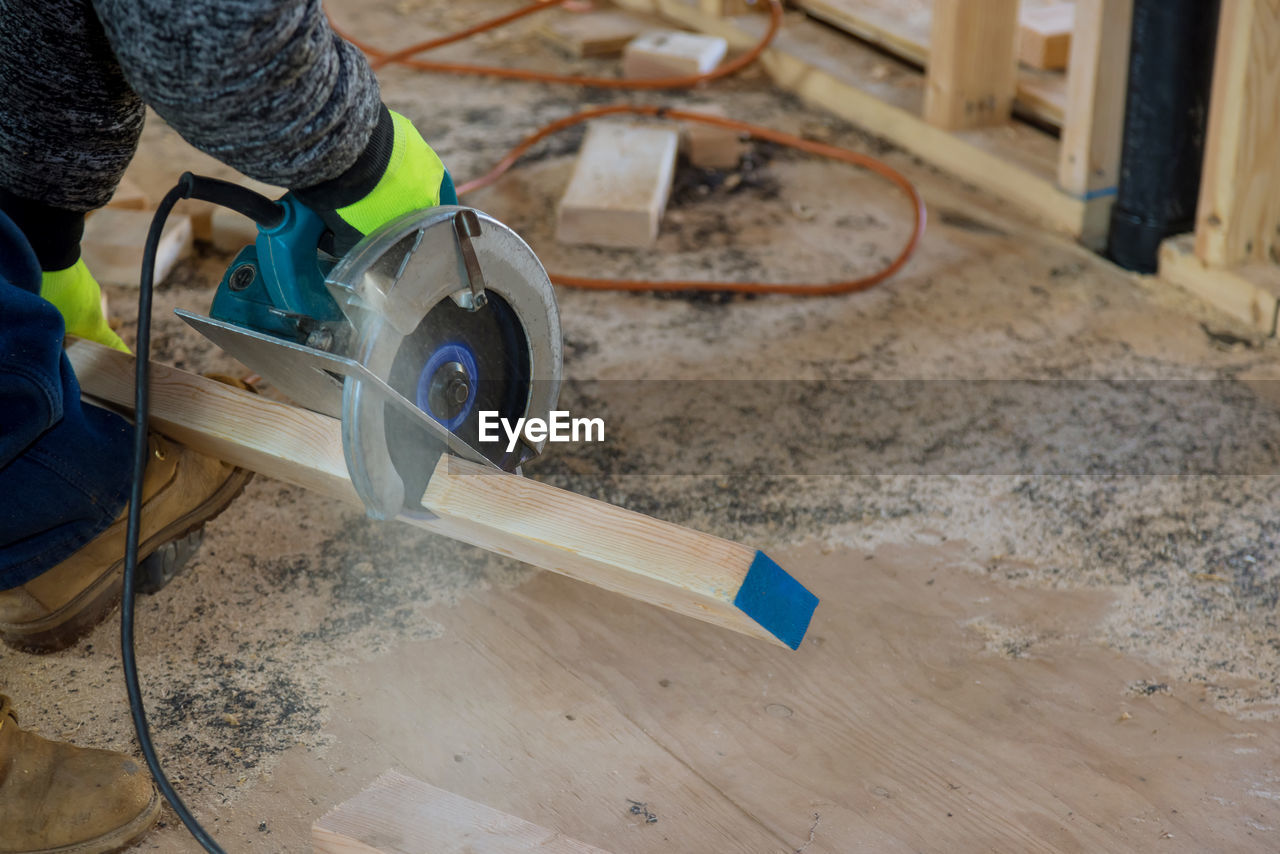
(1238, 216)
(1093, 129)
(114, 239)
(971, 72)
(695, 574)
(1248, 292)
(902, 28)
(397, 814)
(281, 441)
(684, 571)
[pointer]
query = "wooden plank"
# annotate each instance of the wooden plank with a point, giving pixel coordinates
(699, 575)
(1238, 217)
(620, 186)
(1248, 292)
(1044, 36)
(685, 571)
(281, 441)
(1093, 129)
(114, 239)
(1041, 97)
(400, 815)
(901, 27)
(971, 74)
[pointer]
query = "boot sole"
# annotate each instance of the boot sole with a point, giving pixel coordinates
(167, 562)
(120, 839)
(75, 619)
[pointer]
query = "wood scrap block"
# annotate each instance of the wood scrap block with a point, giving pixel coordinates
(711, 147)
(672, 53)
(620, 186)
(400, 815)
(201, 214)
(1044, 35)
(230, 231)
(114, 240)
(129, 196)
(601, 33)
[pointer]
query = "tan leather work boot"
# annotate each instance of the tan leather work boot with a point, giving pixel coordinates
(181, 491)
(55, 797)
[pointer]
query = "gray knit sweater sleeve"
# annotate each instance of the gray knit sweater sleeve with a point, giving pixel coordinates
(263, 85)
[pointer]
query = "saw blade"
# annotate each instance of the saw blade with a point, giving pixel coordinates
(453, 314)
(456, 365)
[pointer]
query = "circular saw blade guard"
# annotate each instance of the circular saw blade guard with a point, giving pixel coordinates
(447, 307)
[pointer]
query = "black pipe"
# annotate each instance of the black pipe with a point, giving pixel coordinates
(1167, 108)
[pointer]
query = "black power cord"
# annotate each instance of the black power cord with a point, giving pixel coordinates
(267, 214)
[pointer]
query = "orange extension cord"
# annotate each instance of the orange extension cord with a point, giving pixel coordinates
(405, 56)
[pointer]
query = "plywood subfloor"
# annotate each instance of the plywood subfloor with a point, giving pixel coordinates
(309, 649)
(931, 709)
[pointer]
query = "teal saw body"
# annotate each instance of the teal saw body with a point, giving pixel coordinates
(428, 321)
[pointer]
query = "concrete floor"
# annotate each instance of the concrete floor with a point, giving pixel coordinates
(239, 656)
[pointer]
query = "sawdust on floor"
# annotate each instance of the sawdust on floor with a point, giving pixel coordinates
(238, 656)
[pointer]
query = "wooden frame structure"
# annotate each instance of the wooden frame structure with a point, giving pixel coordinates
(1233, 258)
(957, 113)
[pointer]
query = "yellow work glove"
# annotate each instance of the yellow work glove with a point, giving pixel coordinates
(410, 183)
(78, 297)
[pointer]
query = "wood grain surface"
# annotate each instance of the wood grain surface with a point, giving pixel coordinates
(401, 815)
(676, 568)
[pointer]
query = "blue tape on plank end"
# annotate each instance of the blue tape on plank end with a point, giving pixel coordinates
(776, 601)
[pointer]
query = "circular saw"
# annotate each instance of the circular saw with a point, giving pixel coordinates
(433, 319)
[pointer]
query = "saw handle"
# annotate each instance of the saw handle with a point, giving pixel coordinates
(257, 207)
